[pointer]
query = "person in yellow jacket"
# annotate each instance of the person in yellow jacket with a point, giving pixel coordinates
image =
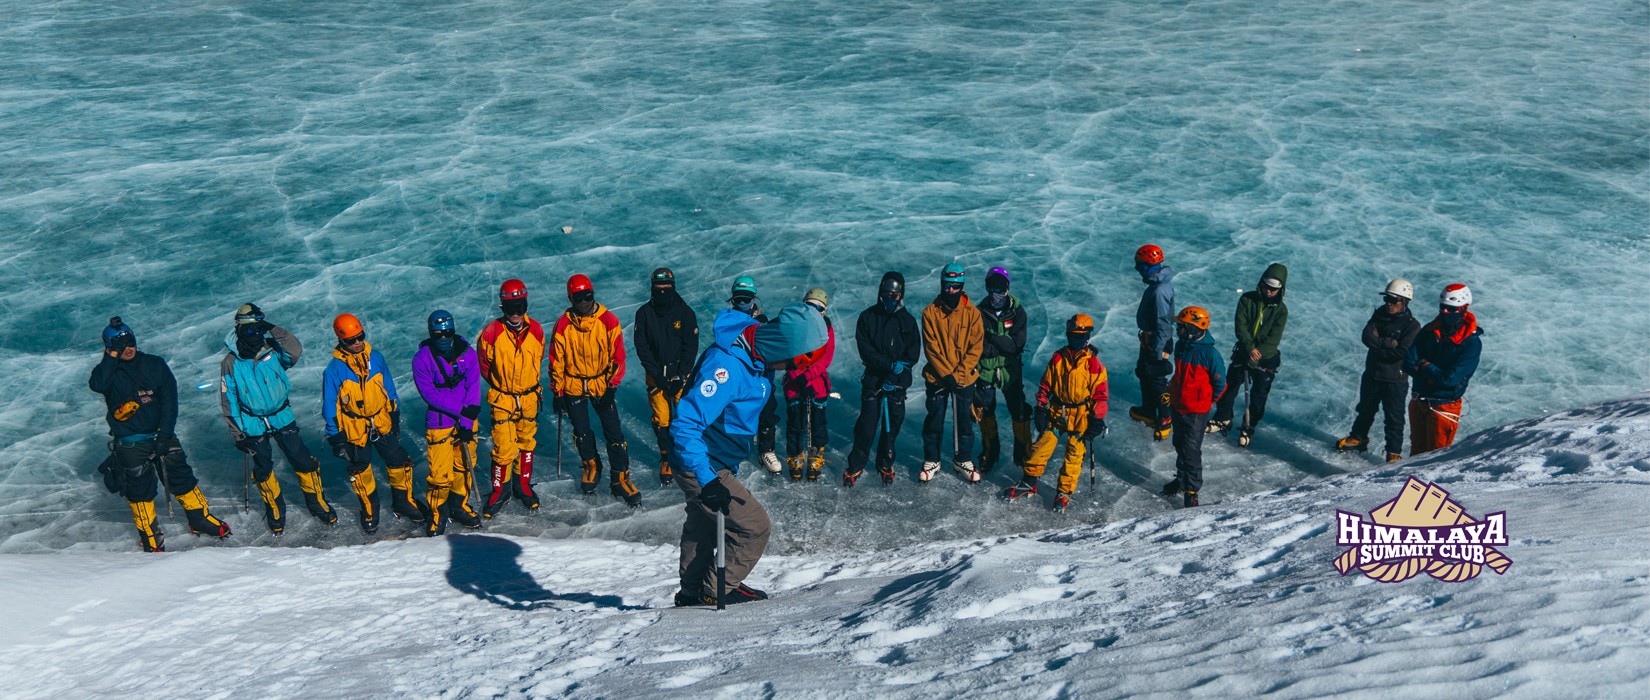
(363, 414)
(1071, 401)
(510, 351)
(586, 364)
(953, 338)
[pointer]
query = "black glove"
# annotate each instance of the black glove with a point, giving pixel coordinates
(948, 383)
(166, 443)
(245, 443)
(471, 412)
(114, 477)
(1039, 416)
(1097, 427)
(395, 422)
(464, 434)
(715, 496)
(675, 384)
(341, 447)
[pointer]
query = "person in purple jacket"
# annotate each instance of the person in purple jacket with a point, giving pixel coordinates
(449, 380)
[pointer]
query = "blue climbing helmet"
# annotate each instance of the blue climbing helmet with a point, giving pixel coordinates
(441, 323)
(117, 336)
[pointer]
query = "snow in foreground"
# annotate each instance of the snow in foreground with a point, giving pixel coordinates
(1234, 599)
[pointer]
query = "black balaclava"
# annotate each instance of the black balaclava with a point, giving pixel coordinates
(249, 339)
(891, 291)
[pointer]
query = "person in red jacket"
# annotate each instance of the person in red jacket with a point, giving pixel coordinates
(586, 363)
(1199, 381)
(806, 392)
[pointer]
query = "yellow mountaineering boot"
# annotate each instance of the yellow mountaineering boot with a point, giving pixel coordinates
(435, 499)
(816, 463)
(621, 487)
(201, 521)
(402, 504)
(458, 499)
(366, 490)
(310, 483)
(143, 516)
(798, 464)
(274, 505)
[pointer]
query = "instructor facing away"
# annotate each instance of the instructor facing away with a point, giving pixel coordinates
(715, 422)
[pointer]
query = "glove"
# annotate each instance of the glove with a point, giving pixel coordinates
(166, 443)
(715, 496)
(245, 443)
(559, 404)
(899, 366)
(890, 386)
(464, 434)
(1097, 428)
(340, 447)
(675, 384)
(395, 422)
(1040, 418)
(471, 412)
(948, 383)
(114, 477)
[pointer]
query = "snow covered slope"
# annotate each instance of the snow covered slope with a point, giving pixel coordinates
(1235, 599)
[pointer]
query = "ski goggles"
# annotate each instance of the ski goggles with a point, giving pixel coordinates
(120, 341)
(443, 333)
(250, 330)
(582, 297)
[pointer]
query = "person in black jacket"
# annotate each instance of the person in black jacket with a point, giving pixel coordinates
(889, 345)
(142, 400)
(1001, 369)
(1388, 335)
(667, 342)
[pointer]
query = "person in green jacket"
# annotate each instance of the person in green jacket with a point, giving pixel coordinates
(1261, 317)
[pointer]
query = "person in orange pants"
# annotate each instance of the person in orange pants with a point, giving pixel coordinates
(1071, 401)
(586, 364)
(510, 350)
(1442, 361)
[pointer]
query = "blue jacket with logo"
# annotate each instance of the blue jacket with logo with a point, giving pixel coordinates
(253, 393)
(720, 411)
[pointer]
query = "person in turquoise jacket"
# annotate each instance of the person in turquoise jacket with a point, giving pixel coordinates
(363, 414)
(253, 391)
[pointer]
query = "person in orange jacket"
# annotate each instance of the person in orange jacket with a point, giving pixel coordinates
(953, 337)
(586, 364)
(510, 351)
(1071, 401)
(1199, 381)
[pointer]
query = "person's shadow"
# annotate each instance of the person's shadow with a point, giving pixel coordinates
(486, 568)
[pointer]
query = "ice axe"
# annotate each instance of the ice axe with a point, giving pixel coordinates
(246, 485)
(721, 559)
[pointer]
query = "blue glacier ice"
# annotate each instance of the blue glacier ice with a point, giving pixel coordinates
(166, 161)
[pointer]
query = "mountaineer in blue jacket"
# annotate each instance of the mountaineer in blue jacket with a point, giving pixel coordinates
(718, 416)
(253, 390)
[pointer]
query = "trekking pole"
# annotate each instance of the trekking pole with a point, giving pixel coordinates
(1091, 467)
(1248, 398)
(956, 430)
(559, 448)
(721, 558)
(246, 485)
(885, 428)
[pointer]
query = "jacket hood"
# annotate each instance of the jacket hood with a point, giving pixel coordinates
(729, 325)
(1278, 272)
(1163, 274)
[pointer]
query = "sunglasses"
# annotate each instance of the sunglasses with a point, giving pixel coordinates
(442, 333)
(951, 287)
(1451, 310)
(362, 338)
(583, 296)
(1393, 298)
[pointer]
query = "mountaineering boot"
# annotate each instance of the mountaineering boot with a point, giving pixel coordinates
(929, 469)
(816, 463)
(1061, 500)
(201, 521)
(1189, 498)
(1144, 415)
(1393, 457)
(1022, 441)
(1218, 426)
(501, 493)
(524, 482)
(1352, 443)
(458, 500)
(740, 594)
(274, 505)
(990, 446)
(310, 483)
(966, 470)
(1026, 487)
(592, 472)
(366, 491)
(1163, 431)
(1171, 488)
(664, 469)
(849, 477)
(796, 463)
(689, 599)
(143, 516)
(621, 487)
(770, 462)
(887, 475)
(1245, 436)
(435, 502)
(402, 504)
